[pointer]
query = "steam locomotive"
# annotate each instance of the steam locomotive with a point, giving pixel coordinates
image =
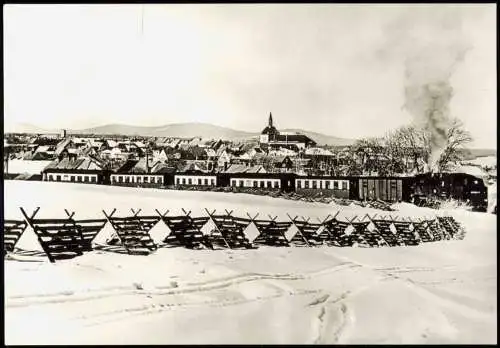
(459, 186)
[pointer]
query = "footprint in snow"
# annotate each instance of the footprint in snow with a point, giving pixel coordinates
(319, 300)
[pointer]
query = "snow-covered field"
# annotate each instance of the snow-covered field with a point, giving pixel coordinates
(442, 292)
(489, 161)
(17, 166)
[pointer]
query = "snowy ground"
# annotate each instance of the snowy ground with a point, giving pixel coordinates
(443, 292)
(17, 166)
(489, 161)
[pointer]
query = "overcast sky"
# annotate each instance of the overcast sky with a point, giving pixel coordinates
(328, 68)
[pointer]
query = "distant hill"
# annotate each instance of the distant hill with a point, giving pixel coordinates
(204, 130)
(27, 128)
(181, 130)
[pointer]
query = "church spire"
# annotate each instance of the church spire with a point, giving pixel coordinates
(270, 120)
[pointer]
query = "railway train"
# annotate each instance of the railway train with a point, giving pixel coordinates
(417, 189)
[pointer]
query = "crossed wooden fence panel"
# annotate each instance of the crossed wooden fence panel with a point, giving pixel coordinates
(89, 229)
(358, 236)
(186, 231)
(423, 231)
(337, 230)
(229, 231)
(372, 236)
(447, 226)
(12, 232)
(384, 228)
(132, 232)
(272, 232)
(60, 238)
(435, 229)
(454, 229)
(408, 236)
(307, 232)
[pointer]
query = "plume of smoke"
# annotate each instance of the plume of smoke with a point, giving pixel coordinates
(432, 43)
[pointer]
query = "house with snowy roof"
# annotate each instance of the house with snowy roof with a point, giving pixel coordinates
(84, 170)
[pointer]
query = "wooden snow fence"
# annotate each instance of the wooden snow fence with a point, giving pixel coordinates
(325, 236)
(229, 230)
(133, 232)
(12, 232)
(372, 236)
(452, 227)
(89, 229)
(423, 230)
(383, 226)
(306, 232)
(436, 230)
(185, 230)
(337, 230)
(406, 230)
(271, 232)
(60, 238)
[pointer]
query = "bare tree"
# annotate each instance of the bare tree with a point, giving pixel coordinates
(411, 143)
(457, 137)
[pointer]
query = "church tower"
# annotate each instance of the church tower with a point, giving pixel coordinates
(269, 133)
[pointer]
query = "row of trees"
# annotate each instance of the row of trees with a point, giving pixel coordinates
(393, 153)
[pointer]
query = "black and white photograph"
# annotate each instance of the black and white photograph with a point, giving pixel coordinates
(251, 173)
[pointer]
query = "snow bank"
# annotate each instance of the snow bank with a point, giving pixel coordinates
(23, 166)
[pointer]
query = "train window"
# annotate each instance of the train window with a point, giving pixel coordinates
(139, 179)
(146, 179)
(299, 183)
(127, 178)
(213, 182)
(321, 184)
(306, 185)
(120, 179)
(261, 184)
(178, 181)
(255, 183)
(183, 181)
(336, 184)
(344, 185)
(315, 184)
(269, 185)
(241, 183)
(206, 182)
(327, 184)
(276, 184)
(72, 178)
(113, 178)
(86, 178)
(159, 180)
(190, 181)
(93, 179)
(199, 181)
(58, 178)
